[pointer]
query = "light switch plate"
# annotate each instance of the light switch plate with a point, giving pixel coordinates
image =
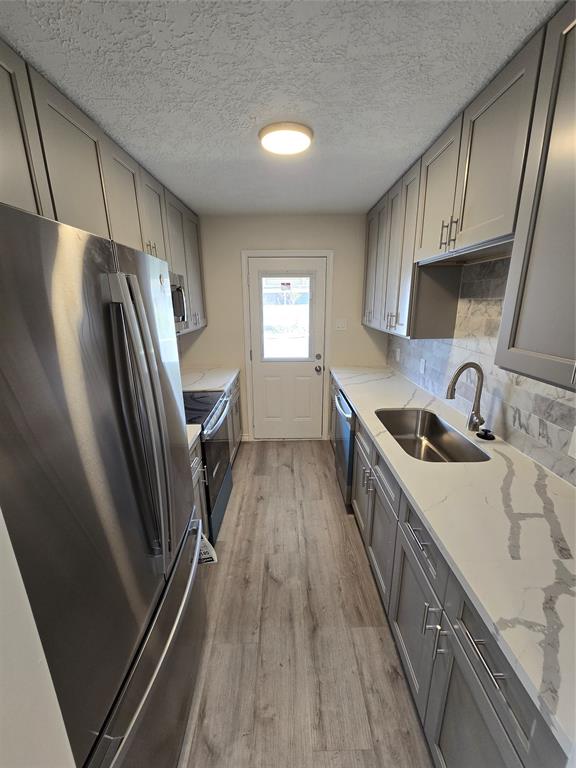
(341, 325)
(397, 354)
(422, 364)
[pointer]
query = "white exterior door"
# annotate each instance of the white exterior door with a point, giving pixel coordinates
(287, 308)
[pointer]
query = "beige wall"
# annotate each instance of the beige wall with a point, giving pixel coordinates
(221, 344)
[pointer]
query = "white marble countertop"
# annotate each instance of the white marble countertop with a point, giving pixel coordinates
(193, 432)
(204, 380)
(506, 528)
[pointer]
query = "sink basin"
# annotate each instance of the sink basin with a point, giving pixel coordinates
(427, 437)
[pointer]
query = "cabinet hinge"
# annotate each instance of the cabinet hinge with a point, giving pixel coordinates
(250, 355)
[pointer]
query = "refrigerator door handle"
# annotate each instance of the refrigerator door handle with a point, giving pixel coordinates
(121, 294)
(133, 411)
(146, 336)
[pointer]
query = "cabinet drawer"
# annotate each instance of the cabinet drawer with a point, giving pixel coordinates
(427, 553)
(520, 717)
(387, 482)
(363, 437)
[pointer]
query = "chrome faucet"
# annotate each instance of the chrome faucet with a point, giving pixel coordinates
(475, 420)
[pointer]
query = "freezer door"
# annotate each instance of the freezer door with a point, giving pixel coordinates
(74, 446)
(149, 283)
(148, 724)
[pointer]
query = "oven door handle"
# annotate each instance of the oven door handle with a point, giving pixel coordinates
(209, 432)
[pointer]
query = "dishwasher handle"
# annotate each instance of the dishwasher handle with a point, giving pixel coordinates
(347, 414)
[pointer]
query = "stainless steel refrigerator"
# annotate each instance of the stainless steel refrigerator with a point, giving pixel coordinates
(95, 486)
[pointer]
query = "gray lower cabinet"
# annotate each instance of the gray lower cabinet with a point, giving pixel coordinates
(199, 486)
(495, 131)
(461, 726)
(234, 420)
(23, 180)
(361, 499)
(154, 225)
(538, 333)
(121, 174)
(382, 538)
(414, 613)
(72, 152)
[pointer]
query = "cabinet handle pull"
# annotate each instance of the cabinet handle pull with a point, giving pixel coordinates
(439, 633)
(452, 239)
(363, 477)
(369, 479)
(494, 676)
(421, 544)
(425, 626)
(443, 243)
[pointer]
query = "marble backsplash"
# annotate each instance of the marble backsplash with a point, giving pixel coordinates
(536, 418)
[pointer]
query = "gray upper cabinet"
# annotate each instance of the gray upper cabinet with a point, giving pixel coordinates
(72, 152)
(393, 250)
(121, 185)
(538, 332)
(461, 726)
(194, 271)
(369, 317)
(23, 180)
(175, 227)
(153, 213)
(400, 275)
(495, 131)
(437, 190)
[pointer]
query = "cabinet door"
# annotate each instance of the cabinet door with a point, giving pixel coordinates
(381, 274)
(175, 227)
(461, 726)
(72, 152)
(370, 269)
(538, 334)
(153, 213)
(495, 132)
(381, 541)
(121, 185)
(410, 189)
(236, 424)
(23, 180)
(437, 190)
(394, 254)
(194, 271)
(361, 497)
(414, 615)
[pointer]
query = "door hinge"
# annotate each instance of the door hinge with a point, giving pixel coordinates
(250, 355)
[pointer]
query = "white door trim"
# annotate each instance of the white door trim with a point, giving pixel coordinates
(329, 256)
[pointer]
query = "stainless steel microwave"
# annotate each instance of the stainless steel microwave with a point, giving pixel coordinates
(179, 302)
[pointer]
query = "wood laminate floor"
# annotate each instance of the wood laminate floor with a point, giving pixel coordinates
(300, 669)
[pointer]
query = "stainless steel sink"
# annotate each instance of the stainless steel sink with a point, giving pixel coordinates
(427, 437)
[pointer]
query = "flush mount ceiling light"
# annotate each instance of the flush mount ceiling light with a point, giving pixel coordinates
(285, 138)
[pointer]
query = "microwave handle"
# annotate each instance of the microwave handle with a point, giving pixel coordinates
(184, 304)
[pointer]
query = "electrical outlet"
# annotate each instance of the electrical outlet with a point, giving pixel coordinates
(397, 354)
(341, 325)
(422, 364)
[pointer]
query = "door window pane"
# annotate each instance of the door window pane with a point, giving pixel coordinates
(286, 317)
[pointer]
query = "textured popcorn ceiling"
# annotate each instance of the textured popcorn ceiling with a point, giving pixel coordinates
(185, 86)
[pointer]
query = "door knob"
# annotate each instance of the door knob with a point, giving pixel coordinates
(318, 356)
(318, 368)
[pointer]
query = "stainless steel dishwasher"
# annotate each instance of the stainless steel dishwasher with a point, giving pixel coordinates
(345, 427)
